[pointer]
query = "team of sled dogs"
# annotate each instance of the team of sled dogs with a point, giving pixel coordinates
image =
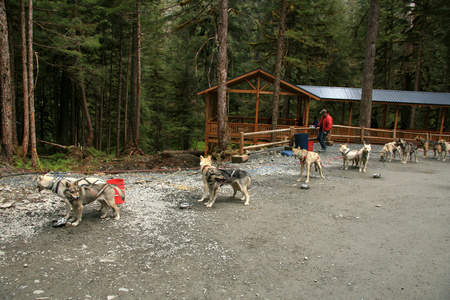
(79, 192)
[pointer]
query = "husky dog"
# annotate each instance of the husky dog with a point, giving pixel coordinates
(445, 147)
(390, 148)
(364, 157)
(214, 178)
(307, 158)
(57, 185)
(408, 149)
(80, 195)
(349, 154)
(428, 145)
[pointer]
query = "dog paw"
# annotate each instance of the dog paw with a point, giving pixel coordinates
(298, 180)
(201, 200)
(208, 205)
(117, 218)
(75, 224)
(246, 203)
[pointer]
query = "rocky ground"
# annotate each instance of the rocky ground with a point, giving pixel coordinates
(349, 236)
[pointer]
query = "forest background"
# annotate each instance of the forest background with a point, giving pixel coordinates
(114, 74)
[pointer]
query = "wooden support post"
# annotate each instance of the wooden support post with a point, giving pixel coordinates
(361, 137)
(291, 136)
(427, 118)
(207, 119)
(442, 120)
(396, 118)
(241, 143)
(350, 120)
(385, 115)
(306, 120)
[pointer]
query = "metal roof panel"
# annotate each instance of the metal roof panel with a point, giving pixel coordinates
(384, 96)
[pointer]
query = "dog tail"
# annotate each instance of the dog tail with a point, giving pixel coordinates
(119, 191)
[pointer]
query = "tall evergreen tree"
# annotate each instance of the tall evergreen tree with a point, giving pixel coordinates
(6, 86)
(369, 63)
(222, 68)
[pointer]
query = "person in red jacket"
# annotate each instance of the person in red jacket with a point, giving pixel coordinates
(325, 125)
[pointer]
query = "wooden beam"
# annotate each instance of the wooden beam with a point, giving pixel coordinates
(350, 120)
(396, 117)
(248, 81)
(385, 115)
(208, 97)
(306, 120)
(442, 120)
(260, 92)
(258, 84)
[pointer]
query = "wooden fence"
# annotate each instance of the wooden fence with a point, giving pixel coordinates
(339, 133)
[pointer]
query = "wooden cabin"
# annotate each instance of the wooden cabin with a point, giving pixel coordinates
(255, 91)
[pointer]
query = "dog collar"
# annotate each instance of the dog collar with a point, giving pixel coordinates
(205, 166)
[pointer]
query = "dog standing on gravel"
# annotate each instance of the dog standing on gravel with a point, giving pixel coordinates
(80, 195)
(364, 154)
(445, 147)
(214, 178)
(57, 185)
(427, 145)
(308, 158)
(408, 149)
(349, 154)
(390, 149)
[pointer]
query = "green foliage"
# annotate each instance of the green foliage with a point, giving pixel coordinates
(325, 41)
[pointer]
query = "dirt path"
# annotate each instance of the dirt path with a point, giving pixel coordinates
(350, 236)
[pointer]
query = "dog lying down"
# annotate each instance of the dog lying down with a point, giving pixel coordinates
(80, 195)
(214, 178)
(308, 158)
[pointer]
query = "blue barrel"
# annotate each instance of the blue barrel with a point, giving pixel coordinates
(301, 140)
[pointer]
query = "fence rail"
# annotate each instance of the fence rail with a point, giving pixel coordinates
(248, 137)
(340, 133)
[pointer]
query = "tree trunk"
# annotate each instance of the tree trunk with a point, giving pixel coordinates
(222, 70)
(125, 114)
(412, 120)
(31, 85)
(135, 101)
(369, 63)
(119, 92)
(26, 103)
(6, 86)
(278, 64)
(90, 137)
(15, 141)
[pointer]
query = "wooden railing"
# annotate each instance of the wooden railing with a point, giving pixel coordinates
(248, 138)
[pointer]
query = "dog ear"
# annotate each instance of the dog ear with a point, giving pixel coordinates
(201, 157)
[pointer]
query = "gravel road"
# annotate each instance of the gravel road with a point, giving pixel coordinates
(349, 236)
